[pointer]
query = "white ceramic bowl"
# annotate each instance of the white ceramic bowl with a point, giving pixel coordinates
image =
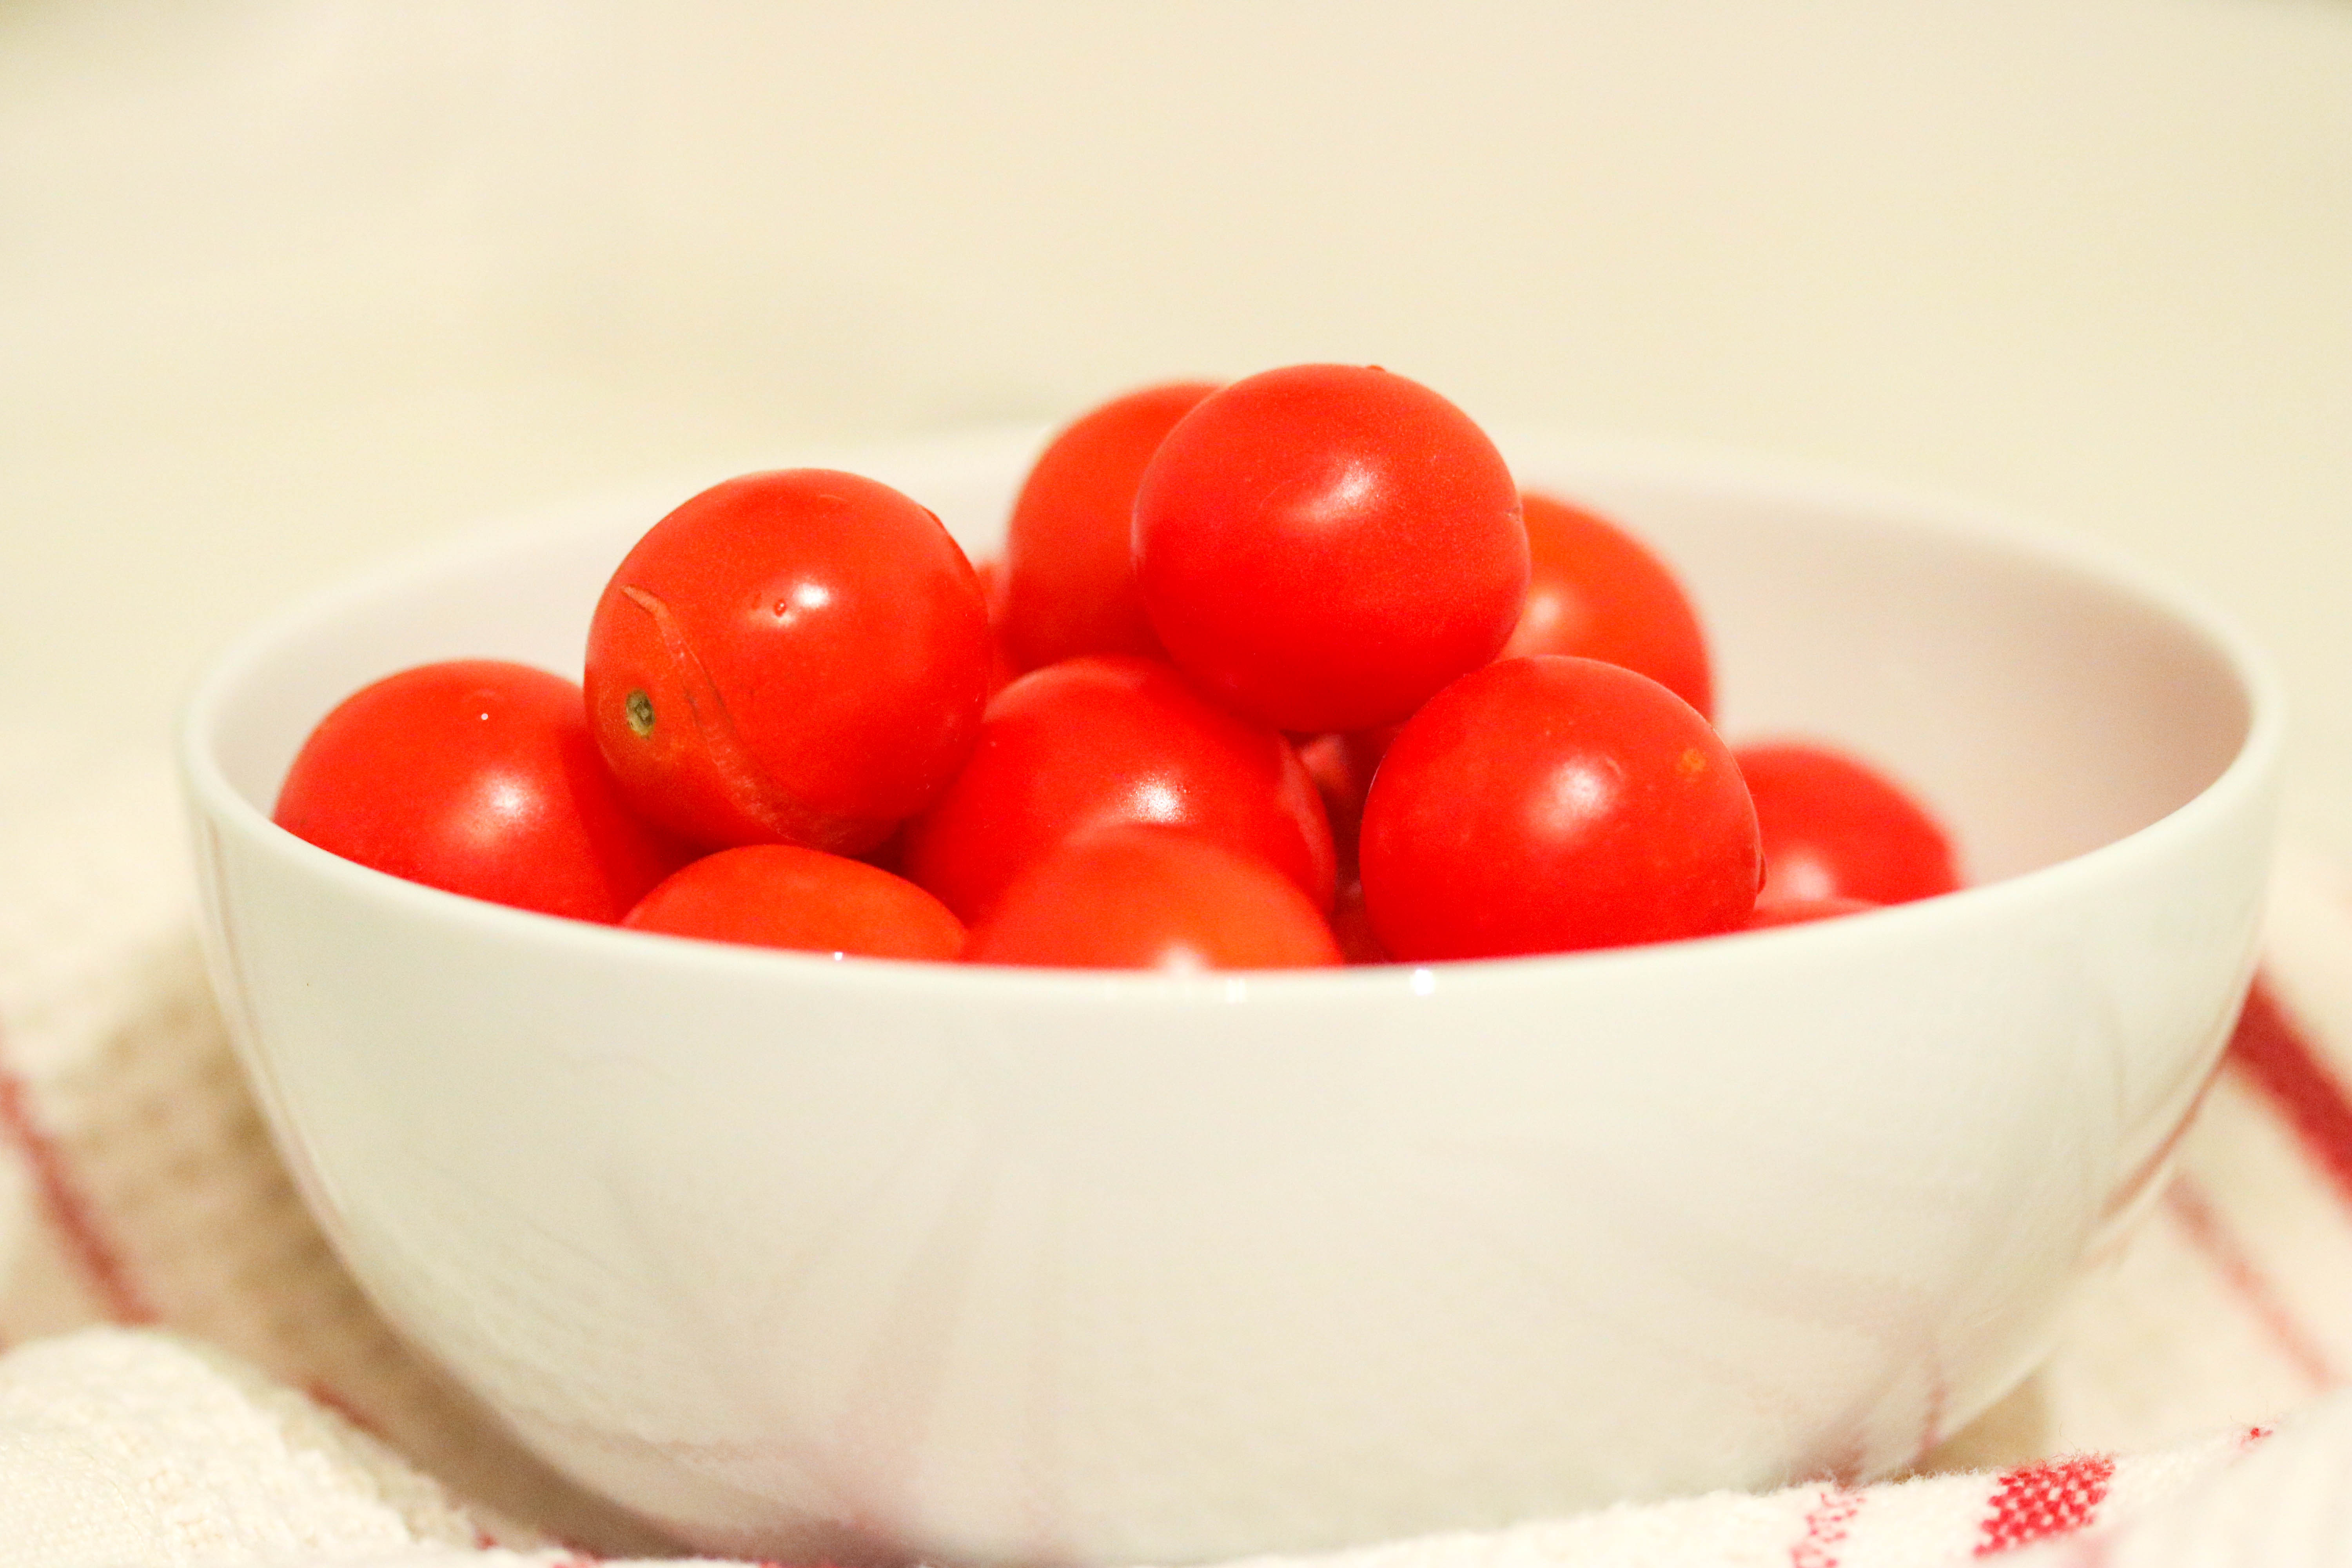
(805, 1258)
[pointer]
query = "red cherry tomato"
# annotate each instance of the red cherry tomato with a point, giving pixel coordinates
(990, 574)
(1151, 897)
(479, 778)
(1097, 741)
(1341, 777)
(1343, 766)
(1802, 912)
(1325, 546)
(1596, 591)
(1543, 805)
(1833, 828)
(1351, 924)
(1069, 571)
(780, 895)
(798, 657)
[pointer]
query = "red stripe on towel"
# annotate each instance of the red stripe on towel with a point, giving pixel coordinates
(68, 1210)
(1825, 1528)
(2193, 1212)
(325, 1394)
(2281, 1060)
(2035, 1503)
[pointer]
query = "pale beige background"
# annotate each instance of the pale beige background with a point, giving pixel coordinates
(285, 287)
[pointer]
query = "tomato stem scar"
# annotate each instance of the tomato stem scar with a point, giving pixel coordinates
(640, 710)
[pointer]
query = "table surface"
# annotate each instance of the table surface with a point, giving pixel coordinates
(287, 288)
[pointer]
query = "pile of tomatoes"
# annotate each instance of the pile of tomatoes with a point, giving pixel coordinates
(1280, 673)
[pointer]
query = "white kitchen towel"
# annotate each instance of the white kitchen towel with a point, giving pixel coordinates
(195, 1380)
(136, 1447)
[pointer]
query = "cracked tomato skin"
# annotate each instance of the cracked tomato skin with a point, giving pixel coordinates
(475, 777)
(798, 657)
(1549, 804)
(1324, 546)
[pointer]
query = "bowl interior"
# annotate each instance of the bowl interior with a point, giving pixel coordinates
(2043, 700)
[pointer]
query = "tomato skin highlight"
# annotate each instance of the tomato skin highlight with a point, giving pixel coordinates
(1594, 591)
(782, 895)
(1106, 739)
(1140, 896)
(1835, 828)
(1069, 570)
(477, 776)
(796, 657)
(1322, 547)
(1549, 804)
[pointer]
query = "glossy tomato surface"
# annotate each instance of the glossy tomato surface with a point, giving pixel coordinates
(990, 574)
(782, 895)
(1835, 828)
(1351, 924)
(1069, 572)
(1342, 772)
(1103, 741)
(1803, 912)
(1323, 547)
(797, 656)
(479, 778)
(1152, 897)
(1549, 804)
(1594, 591)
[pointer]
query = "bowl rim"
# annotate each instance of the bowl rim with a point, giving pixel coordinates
(2250, 774)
